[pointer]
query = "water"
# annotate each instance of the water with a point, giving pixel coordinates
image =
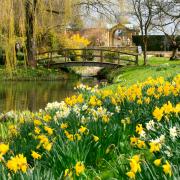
(35, 95)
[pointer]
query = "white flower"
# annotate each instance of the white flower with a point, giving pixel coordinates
(84, 107)
(162, 138)
(117, 109)
(173, 132)
(143, 134)
(150, 125)
(168, 153)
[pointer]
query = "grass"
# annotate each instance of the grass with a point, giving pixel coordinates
(156, 67)
(28, 74)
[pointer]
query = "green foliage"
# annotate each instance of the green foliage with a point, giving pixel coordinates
(155, 42)
(2, 57)
(111, 56)
(88, 55)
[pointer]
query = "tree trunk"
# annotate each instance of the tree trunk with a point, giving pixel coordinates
(174, 51)
(145, 50)
(30, 42)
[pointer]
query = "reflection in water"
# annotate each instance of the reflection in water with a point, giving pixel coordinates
(35, 95)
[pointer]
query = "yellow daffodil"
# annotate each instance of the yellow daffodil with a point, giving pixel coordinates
(139, 128)
(35, 155)
(157, 162)
(96, 138)
(154, 147)
(4, 148)
(158, 113)
(48, 130)
(19, 162)
(131, 175)
(167, 168)
(79, 168)
(64, 126)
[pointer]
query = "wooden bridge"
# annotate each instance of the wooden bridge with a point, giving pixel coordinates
(100, 57)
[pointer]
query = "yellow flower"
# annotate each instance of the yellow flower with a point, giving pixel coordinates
(135, 166)
(37, 130)
(35, 155)
(78, 136)
(47, 146)
(167, 168)
(96, 138)
(48, 130)
(157, 162)
(141, 144)
(19, 162)
(12, 165)
(147, 100)
(139, 101)
(43, 139)
(136, 158)
(167, 108)
(68, 173)
(82, 129)
(139, 128)
(158, 113)
(13, 129)
(105, 119)
(131, 175)
(64, 126)
(47, 118)
(154, 147)
(133, 140)
(4, 148)
(37, 122)
(79, 167)
(150, 91)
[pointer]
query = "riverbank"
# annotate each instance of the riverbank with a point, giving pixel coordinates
(126, 76)
(35, 74)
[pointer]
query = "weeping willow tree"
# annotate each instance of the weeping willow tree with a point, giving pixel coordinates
(22, 20)
(7, 30)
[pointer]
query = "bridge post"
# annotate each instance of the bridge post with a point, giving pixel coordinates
(119, 58)
(65, 55)
(137, 60)
(101, 55)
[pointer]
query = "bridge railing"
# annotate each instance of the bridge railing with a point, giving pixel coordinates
(88, 54)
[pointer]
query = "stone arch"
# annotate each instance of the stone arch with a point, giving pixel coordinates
(128, 33)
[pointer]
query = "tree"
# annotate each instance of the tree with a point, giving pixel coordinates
(168, 21)
(30, 10)
(143, 12)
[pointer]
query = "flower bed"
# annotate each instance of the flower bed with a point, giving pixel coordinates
(98, 134)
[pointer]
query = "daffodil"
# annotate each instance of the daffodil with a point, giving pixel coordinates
(157, 162)
(167, 168)
(79, 168)
(35, 155)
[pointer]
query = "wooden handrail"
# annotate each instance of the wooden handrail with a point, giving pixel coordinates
(90, 49)
(100, 53)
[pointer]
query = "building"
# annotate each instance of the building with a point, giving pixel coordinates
(117, 35)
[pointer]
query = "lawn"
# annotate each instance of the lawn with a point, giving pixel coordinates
(156, 67)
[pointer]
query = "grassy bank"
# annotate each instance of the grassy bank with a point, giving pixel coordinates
(156, 67)
(28, 74)
(97, 134)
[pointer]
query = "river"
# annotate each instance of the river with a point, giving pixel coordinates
(19, 95)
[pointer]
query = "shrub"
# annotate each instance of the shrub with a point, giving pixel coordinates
(111, 56)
